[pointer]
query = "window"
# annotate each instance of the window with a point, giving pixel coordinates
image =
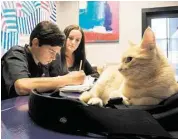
(164, 22)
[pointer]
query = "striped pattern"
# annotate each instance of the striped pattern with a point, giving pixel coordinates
(45, 10)
(10, 19)
(3, 23)
(45, 5)
(20, 17)
(8, 4)
(37, 4)
(53, 11)
(27, 24)
(19, 9)
(8, 39)
(28, 7)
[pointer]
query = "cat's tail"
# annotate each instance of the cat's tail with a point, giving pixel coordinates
(85, 96)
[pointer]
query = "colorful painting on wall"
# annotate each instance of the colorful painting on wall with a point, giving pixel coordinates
(99, 20)
(18, 18)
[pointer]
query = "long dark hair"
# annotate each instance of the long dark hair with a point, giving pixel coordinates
(79, 53)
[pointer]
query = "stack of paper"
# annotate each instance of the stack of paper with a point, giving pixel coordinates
(88, 83)
(74, 95)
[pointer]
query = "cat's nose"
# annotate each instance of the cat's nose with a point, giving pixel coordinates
(120, 69)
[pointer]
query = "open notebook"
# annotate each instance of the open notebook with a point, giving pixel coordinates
(88, 83)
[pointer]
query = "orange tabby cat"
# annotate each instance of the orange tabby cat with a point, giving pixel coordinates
(144, 77)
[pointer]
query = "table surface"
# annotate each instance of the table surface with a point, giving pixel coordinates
(16, 123)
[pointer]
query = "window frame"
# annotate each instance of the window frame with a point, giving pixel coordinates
(159, 12)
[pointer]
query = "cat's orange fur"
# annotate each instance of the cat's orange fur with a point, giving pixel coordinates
(144, 77)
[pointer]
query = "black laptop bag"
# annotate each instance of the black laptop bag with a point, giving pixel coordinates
(115, 120)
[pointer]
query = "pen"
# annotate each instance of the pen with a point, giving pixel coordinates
(80, 65)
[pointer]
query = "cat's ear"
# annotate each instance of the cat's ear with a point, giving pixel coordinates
(148, 41)
(131, 43)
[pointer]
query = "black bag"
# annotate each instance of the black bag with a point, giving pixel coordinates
(69, 115)
(166, 112)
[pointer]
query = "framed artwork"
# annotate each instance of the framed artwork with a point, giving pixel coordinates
(99, 20)
(18, 18)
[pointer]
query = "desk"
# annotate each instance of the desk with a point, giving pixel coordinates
(16, 123)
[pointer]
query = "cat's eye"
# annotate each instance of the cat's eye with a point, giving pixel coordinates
(128, 59)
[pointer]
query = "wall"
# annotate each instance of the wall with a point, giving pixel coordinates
(130, 28)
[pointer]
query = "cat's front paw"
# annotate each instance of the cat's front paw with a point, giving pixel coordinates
(95, 101)
(85, 96)
(126, 101)
(114, 94)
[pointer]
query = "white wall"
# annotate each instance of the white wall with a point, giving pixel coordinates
(130, 26)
